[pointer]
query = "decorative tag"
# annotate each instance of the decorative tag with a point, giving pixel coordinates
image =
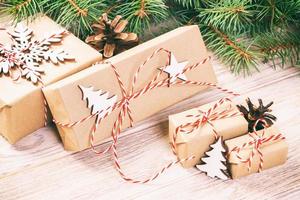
(26, 54)
(99, 102)
(175, 69)
(214, 165)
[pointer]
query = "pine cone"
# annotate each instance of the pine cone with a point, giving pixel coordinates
(254, 113)
(109, 36)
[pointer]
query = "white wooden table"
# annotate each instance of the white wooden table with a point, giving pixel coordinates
(37, 167)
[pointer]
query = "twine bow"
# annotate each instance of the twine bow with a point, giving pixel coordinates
(125, 110)
(203, 118)
(257, 141)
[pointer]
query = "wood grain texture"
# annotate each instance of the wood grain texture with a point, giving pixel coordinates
(37, 167)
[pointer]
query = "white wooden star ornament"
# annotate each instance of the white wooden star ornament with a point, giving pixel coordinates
(175, 68)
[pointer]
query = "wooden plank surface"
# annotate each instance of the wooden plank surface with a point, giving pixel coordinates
(37, 167)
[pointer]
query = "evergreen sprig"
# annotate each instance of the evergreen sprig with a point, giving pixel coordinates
(230, 15)
(276, 13)
(280, 48)
(189, 3)
(142, 13)
(233, 50)
(242, 33)
(76, 15)
(21, 9)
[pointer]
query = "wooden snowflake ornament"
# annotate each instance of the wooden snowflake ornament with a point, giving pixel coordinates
(27, 54)
(215, 162)
(175, 69)
(98, 101)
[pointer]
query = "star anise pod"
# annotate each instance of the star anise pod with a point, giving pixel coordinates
(109, 37)
(254, 113)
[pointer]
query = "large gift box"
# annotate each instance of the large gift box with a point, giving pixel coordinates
(47, 60)
(254, 152)
(73, 100)
(193, 131)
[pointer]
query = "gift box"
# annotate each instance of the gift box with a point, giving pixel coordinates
(255, 152)
(130, 71)
(193, 131)
(22, 106)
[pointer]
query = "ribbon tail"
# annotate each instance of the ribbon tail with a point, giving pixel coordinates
(130, 115)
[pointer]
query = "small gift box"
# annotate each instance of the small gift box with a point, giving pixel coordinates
(256, 151)
(193, 131)
(129, 87)
(32, 56)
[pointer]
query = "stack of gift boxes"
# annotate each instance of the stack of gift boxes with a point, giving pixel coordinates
(83, 94)
(245, 152)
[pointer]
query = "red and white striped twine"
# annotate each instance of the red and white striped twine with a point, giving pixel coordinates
(203, 118)
(256, 143)
(125, 110)
(45, 105)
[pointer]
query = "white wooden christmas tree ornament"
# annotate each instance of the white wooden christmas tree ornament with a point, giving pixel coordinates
(214, 164)
(175, 68)
(97, 101)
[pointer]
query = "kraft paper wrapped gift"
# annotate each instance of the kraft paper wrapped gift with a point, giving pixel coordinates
(67, 104)
(197, 142)
(21, 103)
(274, 151)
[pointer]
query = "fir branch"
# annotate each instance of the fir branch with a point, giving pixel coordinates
(186, 17)
(234, 52)
(22, 4)
(284, 46)
(275, 13)
(83, 12)
(21, 9)
(189, 3)
(111, 7)
(230, 15)
(76, 15)
(141, 13)
(182, 14)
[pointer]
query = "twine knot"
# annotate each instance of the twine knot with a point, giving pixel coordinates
(204, 118)
(258, 143)
(258, 140)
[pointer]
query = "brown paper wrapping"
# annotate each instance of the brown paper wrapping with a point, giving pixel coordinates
(21, 104)
(198, 142)
(65, 99)
(274, 153)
